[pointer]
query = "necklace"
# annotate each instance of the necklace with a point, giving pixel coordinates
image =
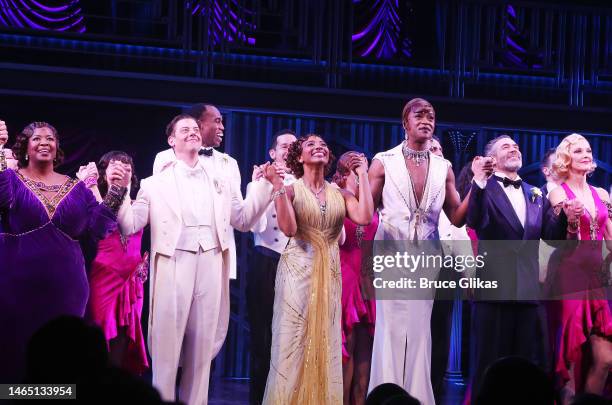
(49, 188)
(322, 205)
(419, 156)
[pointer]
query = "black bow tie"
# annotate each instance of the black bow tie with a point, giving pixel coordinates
(507, 182)
(205, 151)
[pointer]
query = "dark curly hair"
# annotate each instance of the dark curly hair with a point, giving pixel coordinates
(295, 151)
(103, 165)
(20, 147)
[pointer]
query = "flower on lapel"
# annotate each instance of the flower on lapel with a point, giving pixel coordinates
(218, 185)
(535, 194)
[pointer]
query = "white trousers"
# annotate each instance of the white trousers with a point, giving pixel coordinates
(189, 306)
(402, 347)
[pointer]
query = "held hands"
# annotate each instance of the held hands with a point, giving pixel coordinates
(11, 162)
(358, 163)
(117, 174)
(573, 210)
(273, 174)
(260, 171)
(3, 134)
(483, 167)
(88, 174)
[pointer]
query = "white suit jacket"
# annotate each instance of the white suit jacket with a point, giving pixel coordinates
(157, 204)
(163, 160)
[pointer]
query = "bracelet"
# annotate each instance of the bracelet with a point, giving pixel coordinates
(114, 197)
(277, 194)
(3, 165)
(90, 181)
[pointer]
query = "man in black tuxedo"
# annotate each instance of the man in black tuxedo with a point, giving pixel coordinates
(507, 321)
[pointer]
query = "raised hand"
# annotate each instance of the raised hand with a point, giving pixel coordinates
(483, 167)
(3, 134)
(91, 170)
(573, 210)
(257, 173)
(358, 163)
(11, 162)
(272, 174)
(118, 175)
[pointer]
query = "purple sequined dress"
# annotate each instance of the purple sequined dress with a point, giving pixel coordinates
(42, 270)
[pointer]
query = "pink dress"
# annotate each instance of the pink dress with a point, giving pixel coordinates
(355, 308)
(116, 295)
(577, 274)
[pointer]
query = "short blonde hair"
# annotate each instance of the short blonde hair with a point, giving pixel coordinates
(561, 164)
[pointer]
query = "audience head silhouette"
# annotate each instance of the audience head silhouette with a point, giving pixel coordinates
(390, 394)
(514, 380)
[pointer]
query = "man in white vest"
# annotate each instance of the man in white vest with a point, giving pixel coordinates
(410, 186)
(192, 205)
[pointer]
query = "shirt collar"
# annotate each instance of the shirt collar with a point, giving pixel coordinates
(185, 169)
(503, 176)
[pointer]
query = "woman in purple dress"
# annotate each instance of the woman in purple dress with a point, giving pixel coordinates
(358, 312)
(581, 319)
(44, 213)
(117, 275)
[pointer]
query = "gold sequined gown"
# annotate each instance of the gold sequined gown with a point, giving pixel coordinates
(306, 361)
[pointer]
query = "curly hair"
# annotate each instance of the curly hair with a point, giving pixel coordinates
(103, 165)
(295, 152)
(20, 147)
(342, 169)
(563, 159)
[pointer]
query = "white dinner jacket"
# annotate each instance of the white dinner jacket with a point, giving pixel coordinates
(158, 204)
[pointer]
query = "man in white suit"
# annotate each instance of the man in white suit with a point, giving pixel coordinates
(192, 205)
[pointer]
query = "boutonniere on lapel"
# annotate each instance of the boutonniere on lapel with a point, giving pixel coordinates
(535, 194)
(218, 185)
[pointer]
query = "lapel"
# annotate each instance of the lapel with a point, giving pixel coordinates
(532, 209)
(218, 184)
(398, 174)
(502, 202)
(169, 189)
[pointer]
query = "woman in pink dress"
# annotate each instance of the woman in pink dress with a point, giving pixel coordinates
(582, 322)
(116, 279)
(358, 312)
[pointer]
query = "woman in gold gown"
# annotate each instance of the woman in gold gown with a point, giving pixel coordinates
(306, 362)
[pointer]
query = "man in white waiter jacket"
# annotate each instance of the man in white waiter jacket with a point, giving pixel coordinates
(192, 205)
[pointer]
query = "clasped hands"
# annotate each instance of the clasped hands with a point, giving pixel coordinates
(11, 162)
(116, 173)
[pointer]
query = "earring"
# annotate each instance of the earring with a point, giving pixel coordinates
(27, 157)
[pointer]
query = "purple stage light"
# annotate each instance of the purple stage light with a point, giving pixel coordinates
(46, 15)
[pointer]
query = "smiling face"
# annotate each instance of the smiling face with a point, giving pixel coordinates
(211, 127)
(185, 137)
(314, 151)
(507, 154)
(42, 145)
(420, 122)
(581, 156)
(279, 153)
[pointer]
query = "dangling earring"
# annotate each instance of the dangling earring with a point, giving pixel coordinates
(27, 157)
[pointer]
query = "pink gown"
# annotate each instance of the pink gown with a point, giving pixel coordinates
(355, 308)
(577, 274)
(116, 295)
